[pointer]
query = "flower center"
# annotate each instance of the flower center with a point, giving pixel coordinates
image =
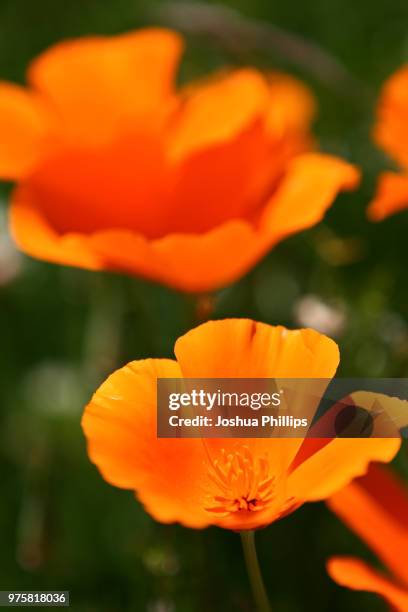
(243, 481)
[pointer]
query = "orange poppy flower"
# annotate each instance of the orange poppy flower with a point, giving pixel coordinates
(117, 169)
(390, 133)
(376, 508)
(237, 484)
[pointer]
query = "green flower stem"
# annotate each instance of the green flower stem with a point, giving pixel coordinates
(254, 571)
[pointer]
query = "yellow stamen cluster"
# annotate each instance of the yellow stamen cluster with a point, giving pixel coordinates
(244, 482)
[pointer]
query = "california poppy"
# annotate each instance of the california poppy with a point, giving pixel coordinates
(375, 507)
(238, 484)
(118, 169)
(391, 133)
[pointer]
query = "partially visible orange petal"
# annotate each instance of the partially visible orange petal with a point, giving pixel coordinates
(87, 190)
(35, 236)
(391, 130)
(336, 464)
(242, 348)
(120, 424)
(376, 508)
(238, 159)
(23, 125)
(308, 189)
(189, 262)
(292, 105)
(215, 112)
(390, 413)
(391, 196)
(236, 348)
(357, 575)
(225, 180)
(98, 85)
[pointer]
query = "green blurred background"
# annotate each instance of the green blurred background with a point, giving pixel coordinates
(62, 330)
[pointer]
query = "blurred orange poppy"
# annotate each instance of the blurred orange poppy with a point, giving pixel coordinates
(117, 169)
(376, 508)
(390, 133)
(237, 484)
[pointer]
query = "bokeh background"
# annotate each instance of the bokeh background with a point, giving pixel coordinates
(62, 330)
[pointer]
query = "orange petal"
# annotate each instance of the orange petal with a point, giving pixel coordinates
(391, 196)
(120, 426)
(23, 124)
(357, 575)
(98, 85)
(236, 348)
(215, 112)
(334, 465)
(376, 508)
(309, 188)
(391, 130)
